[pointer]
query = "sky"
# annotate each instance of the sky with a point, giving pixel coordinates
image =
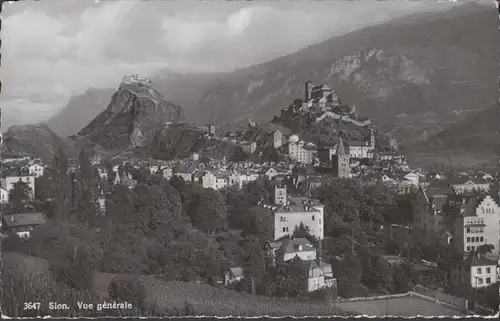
(54, 49)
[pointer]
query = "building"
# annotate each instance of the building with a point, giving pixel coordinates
(9, 182)
(125, 180)
(341, 161)
(469, 186)
(478, 224)
(301, 152)
(23, 224)
(36, 170)
(475, 271)
(277, 139)
(299, 210)
(290, 248)
(102, 171)
(320, 275)
(195, 156)
(249, 148)
(233, 275)
(211, 129)
(4, 196)
(208, 180)
(280, 195)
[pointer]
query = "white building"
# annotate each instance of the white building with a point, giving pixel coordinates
(4, 196)
(290, 248)
(299, 210)
(280, 195)
(470, 186)
(320, 275)
(478, 224)
(476, 271)
(36, 170)
(208, 180)
(9, 182)
(301, 152)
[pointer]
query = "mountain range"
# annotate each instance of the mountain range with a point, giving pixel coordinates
(416, 77)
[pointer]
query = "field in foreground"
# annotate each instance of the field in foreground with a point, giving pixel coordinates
(167, 297)
(409, 306)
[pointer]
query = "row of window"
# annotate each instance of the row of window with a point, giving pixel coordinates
(475, 239)
(475, 220)
(475, 230)
(480, 270)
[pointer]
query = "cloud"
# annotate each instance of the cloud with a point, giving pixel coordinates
(56, 49)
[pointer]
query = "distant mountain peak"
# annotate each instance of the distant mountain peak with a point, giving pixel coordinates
(133, 117)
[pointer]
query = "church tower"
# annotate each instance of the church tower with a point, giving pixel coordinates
(372, 138)
(341, 160)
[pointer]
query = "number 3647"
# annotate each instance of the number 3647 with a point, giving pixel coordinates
(31, 305)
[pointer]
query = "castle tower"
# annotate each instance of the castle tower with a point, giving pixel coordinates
(280, 195)
(308, 88)
(341, 160)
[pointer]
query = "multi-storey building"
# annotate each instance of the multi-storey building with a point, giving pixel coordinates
(478, 224)
(468, 186)
(475, 271)
(296, 211)
(301, 152)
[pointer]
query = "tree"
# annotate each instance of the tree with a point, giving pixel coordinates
(207, 210)
(485, 248)
(20, 196)
(58, 171)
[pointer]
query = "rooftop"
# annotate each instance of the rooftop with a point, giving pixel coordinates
(25, 219)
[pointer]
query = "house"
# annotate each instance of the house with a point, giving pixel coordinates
(468, 186)
(208, 180)
(290, 248)
(125, 180)
(102, 171)
(36, 170)
(233, 275)
(475, 271)
(167, 173)
(154, 166)
(14, 177)
(4, 196)
(195, 156)
(360, 149)
(341, 161)
(301, 152)
(478, 224)
(320, 275)
(296, 211)
(23, 224)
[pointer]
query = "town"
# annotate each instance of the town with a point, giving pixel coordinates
(343, 220)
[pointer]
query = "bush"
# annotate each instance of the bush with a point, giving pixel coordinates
(130, 289)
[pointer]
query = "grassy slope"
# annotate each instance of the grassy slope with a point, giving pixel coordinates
(206, 300)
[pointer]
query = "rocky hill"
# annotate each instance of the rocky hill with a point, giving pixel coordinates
(442, 65)
(183, 88)
(32, 140)
(412, 75)
(133, 117)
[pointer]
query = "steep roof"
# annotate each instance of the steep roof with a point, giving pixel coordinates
(24, 219)
(340, 147)
(295, 245)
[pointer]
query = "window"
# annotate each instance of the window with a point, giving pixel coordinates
(479, 281)
(488, 280)
(468, 230)
(468, 240)
(478, 270)
(481, 239)
(477, 238)
(468, 248)
(488, 270)
(313, 217)
(284, 229)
